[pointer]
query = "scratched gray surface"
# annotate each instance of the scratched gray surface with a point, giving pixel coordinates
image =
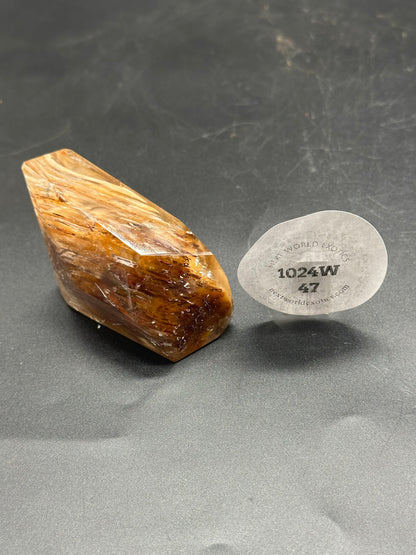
(282, 436)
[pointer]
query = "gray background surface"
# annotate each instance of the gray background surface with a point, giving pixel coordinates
(282, 436)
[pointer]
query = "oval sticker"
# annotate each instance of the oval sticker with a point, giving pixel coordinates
(321, 263)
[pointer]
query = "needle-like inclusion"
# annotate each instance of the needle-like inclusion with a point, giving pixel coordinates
(125, 262)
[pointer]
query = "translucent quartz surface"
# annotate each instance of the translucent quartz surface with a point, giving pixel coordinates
(321, 263)
(123, 261)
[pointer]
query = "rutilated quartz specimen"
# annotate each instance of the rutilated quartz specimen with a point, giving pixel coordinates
(125, 262)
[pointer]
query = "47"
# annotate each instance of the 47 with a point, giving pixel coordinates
(309, 287)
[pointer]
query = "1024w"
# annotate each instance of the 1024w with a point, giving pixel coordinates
(314, 271)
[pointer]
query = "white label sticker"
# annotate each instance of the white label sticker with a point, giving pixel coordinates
(321, 263)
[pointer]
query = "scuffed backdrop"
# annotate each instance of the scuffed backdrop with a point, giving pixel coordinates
(283, 436)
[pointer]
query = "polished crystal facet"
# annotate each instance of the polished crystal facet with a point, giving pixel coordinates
(123, 261)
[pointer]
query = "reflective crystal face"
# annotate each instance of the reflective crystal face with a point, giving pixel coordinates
(321, 263)
(125, 262)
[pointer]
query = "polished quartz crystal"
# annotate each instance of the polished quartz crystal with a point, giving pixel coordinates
(125, 262)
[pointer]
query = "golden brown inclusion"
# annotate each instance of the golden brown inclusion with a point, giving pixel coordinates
(123, 261)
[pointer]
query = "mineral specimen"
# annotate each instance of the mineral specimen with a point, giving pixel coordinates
(125, 262)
